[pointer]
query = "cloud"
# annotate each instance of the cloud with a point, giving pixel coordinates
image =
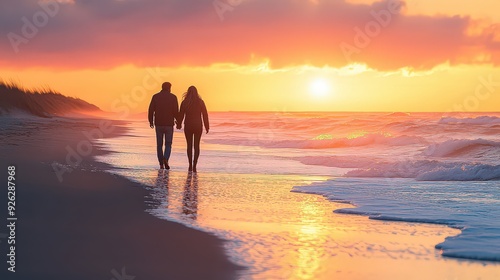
(108, 33)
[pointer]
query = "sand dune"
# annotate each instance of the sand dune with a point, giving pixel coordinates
(42, 103)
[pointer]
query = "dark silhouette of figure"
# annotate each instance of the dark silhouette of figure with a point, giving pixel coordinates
(190, 196)
(163, 110)
(194, 113)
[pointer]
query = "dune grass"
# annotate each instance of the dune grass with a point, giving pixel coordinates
(43, 102)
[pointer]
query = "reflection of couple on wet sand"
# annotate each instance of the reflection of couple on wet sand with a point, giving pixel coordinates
(189, 194)
(164, 111)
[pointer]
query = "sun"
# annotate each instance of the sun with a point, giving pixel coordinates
(319, 88)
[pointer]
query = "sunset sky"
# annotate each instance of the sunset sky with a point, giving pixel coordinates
(260, 55)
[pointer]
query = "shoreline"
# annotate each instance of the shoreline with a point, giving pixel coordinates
(93, 224)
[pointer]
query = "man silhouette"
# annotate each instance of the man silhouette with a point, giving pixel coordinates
(163, 108)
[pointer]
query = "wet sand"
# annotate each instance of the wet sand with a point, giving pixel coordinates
(91, 225)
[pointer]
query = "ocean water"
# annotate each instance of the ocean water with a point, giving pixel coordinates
(426, 168)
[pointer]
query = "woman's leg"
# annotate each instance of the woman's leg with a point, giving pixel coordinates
(197, 139)
(188, 133)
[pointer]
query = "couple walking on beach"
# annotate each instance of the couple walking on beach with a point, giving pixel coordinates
(164, 112)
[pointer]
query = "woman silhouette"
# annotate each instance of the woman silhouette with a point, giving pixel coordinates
(193, 111)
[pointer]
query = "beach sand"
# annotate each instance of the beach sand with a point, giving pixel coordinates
(92, 224)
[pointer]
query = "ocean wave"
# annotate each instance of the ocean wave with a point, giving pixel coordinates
(458, 147)
(426, 170)
(337, 161)
(421, 170)
(393, 218)
(477, 120)
(365, 140)
(254, 124)
(398, 114)
(464, 172)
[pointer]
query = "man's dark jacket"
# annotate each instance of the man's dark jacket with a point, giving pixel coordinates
(164, 108)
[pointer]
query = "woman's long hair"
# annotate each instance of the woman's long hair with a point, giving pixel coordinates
(191, 97)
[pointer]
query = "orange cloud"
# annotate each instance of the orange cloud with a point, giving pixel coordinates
(103, 34)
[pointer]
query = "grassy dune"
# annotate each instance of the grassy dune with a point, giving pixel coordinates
(42, 103)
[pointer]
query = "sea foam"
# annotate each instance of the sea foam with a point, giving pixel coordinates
(472, 207)
(457, 147)
(477, 120)
(428, 170)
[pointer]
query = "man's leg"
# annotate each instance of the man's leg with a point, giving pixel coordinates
(159, 144)
(169, 135)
